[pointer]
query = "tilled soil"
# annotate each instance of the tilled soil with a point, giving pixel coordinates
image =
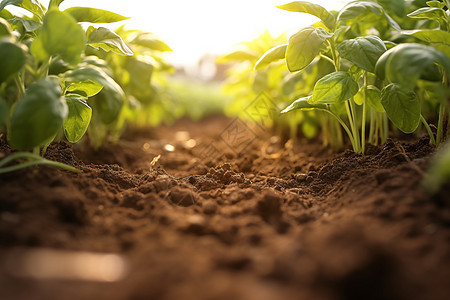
(194, 212)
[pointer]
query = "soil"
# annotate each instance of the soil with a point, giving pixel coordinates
(194, 212)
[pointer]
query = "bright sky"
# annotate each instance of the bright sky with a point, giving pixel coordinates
(195, 27)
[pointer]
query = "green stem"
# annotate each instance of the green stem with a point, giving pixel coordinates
(43, 70)
(385, 127)
(349, 133)
(363, 125)
(328, 59)
(35, 160)
(20, 85)
(428, 128)
(355, 143)
(372, 124)
(440, 130)
(336, 60)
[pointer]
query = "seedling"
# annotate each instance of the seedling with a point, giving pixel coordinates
(353, 90)
(38, 98)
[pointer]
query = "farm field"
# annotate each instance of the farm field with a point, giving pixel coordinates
(249, 226)
(307, 166)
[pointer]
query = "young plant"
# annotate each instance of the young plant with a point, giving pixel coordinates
(354, 59)
(37, 99)
(411, 64)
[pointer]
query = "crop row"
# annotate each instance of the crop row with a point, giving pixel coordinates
(372, 68)
(60, 79)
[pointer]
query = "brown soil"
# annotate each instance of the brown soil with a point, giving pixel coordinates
(256, 219)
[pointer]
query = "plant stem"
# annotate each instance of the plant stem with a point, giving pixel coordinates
(355, 124)
(440, 130)
(363, 125)
(371, 128)
(385, 128)
(428, 128)
(355, 135)
(35, 160)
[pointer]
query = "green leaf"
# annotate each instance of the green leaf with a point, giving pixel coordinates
(6, 14)
(141, 73)
(354, 9)
(274, 54)
(238, 56)
(150, 41)
(363, 51)
(402, 107)
(439, 39)
(437, 4)
(108, 103)
(398, 7)
(334, 88)
(55, 3)
(28, 25)
(87, 88)
(429, 13)
(304, 46)
(4, 113)
(38, 51)
(78, 119)
(61, 35)
(303, 104)
(5, 28)
(107, 40)
(32, 6)
(406, 63)
(439, 171)
(16, 59)
(94, 15)
(373, 97)
(314, 9)
(38, 116)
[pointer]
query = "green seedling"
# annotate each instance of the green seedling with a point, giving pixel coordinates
(353, 59)
(40, 98)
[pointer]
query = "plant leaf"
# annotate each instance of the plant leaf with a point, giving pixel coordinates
(354, 9)
(108, 103)
(334, 88)
(61, 35)
(406, 63)
(15, 59)
(5, 28)
(304, 46)
(238, 56)
(429, 13)
(439, 39)
(314, 9)
(437, 4)
(38, 116)
(139, 84)
(150, 41)
(78, 119)
(107, 40)
(303, 104)
(274, 54)
(402, 107)
(87, 88)
(94, 15)
(30, 5)
(363, 51)
(55, 3)
(439, 172)
(28, 24)
(398, 7)
(373, 97)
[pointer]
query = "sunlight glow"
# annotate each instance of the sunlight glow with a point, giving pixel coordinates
(198, 27)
